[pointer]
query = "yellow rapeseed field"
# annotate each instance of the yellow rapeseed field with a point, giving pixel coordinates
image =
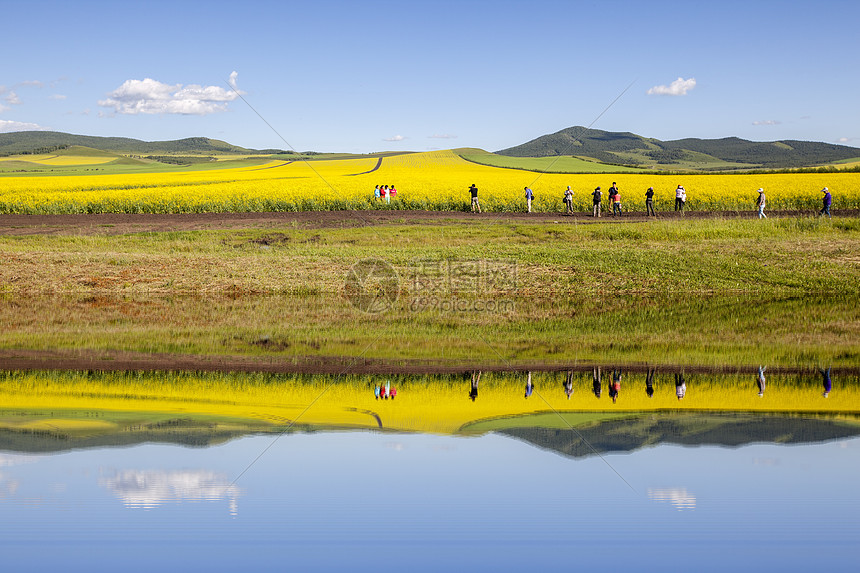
(436, 180)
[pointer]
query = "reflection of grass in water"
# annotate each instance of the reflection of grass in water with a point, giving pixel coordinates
(713, 330)
(438, 404)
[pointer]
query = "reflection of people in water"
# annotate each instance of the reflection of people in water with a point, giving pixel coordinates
(615, 386)
(596, 382)
(377, 391)
(387, 391)
(680, 385)
(473, 391)
(649, 382)
(825, 378)
(568, 384)
(529, 386)
(760, 381)
(393, 393)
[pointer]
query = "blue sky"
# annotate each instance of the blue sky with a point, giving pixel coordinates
(377, 75)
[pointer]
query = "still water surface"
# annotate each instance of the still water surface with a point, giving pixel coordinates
(376, 501)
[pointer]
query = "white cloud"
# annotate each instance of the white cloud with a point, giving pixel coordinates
(10, 126)
(767, 122)
(846, 139)
(679, 87)
(232, 81)
(442, 136)
(153, 97)
(58, 97)
(395, 138)
(32, 83)
(12, 98)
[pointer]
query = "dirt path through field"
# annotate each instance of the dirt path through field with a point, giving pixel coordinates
(121, 223)
(120, 361)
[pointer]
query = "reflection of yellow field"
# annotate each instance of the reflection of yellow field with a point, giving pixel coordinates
(423, 404)
(66, 426)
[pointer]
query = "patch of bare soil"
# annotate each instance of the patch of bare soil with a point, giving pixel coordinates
(121, 223)
(115, 361)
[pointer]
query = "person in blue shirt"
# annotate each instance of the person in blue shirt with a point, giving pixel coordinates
(828, 199)
(529, 196)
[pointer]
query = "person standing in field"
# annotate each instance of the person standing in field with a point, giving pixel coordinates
(387, 194)
(392, 192)
(476, 207)
(616, 203)
(529, 196)
(680, 198)
(649, 202)
(612, 191)
(828, 199)
(377, 194)
(597, 199)
(760, 203)
(568, 200)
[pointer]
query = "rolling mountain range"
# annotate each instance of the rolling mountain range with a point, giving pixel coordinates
(624, 148)
(24, 142)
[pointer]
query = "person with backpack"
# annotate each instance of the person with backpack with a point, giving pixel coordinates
(529, 196)
(616, 203)
(476, 207)
(649, 202)
(568, 200)
(597, 199)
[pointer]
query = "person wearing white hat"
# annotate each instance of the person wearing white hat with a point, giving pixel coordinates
(760, 202)
(680, 198)
(828, 199)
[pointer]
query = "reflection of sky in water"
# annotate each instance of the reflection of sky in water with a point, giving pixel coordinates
(372, 501)
(677, 496)
(152, 488)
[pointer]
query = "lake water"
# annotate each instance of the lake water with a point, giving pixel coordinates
(670, 489)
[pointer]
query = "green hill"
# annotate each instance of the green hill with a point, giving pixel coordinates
(32, 142)
(625, 148)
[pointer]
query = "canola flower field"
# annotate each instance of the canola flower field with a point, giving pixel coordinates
(436, 180)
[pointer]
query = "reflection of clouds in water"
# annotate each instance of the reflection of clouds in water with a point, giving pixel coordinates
(770, 462)
(151, 488)
(8, 487)
(677, 496)
(8, 460)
